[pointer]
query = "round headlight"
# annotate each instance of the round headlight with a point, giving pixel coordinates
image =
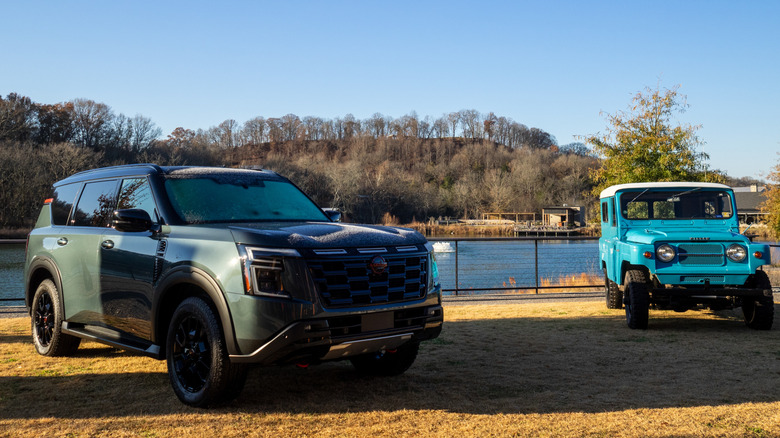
(736, 252)
(665, 253)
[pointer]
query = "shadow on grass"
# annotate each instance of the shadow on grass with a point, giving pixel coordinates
(15, 339)
(515, 365)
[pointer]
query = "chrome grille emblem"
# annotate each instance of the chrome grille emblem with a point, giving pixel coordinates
(377, 265)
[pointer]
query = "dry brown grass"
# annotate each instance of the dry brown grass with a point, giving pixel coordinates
(537, 369)
(572, 281)
(463, 230)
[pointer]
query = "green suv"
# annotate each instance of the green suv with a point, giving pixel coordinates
(216, 269)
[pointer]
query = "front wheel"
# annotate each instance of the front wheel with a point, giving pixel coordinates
(46, 321)
(198, 365)
(637, 300)
(387, 363)
(759, 312)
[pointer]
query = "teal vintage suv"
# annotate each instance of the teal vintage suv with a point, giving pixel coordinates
(215, 269)
(676, 245)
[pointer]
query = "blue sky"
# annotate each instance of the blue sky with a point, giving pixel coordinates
(554, 65)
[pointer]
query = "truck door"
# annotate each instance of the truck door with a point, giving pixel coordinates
(128, 266)
(78, 252)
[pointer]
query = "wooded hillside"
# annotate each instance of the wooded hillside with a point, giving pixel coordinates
(378, 169)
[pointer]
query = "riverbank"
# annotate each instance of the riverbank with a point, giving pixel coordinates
(495, 229)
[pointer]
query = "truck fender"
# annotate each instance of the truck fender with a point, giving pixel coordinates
(166, 297)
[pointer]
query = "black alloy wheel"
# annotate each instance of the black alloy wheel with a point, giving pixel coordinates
(199, 365)
(191, 354)
(44, 319)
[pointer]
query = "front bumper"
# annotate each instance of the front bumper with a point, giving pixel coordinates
(334, 338)
(712, 291)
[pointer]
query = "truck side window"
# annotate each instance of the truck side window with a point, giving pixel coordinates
(136, 193)
(614, 213)
(64, 197)
(96, 205)
(604, 212)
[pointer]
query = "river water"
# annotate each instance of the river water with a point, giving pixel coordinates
(11, 273)
(497, 264)
(481, 264)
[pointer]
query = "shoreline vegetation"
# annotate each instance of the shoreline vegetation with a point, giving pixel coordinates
(380, 169)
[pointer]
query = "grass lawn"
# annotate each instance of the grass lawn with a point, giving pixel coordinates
(536, 369)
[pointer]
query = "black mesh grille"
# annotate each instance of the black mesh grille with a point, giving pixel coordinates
(348, 281)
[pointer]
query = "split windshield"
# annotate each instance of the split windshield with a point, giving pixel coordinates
(238, 197)
(684, 203)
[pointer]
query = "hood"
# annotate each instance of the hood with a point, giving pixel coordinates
(649, 236)
(323, 235)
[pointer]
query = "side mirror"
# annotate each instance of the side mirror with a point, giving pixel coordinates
(333, 213)
(131, 220)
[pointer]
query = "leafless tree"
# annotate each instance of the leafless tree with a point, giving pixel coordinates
(91, 121)
(144, 132)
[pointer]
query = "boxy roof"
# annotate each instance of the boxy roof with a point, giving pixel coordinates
(610, 191)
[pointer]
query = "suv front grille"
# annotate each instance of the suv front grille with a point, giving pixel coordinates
(348, 281)
(700, 254)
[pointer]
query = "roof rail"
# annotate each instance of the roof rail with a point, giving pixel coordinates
(122, 166)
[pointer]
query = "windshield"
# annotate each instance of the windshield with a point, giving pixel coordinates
(238, 198)
(684, 203)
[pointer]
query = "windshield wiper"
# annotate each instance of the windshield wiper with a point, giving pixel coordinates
(637, 196)
(685, 192)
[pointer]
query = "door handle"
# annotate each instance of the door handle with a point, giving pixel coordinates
(62, 241)
(107, 244)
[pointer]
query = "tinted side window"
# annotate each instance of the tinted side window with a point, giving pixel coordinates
(96, 204)
(604, 212)
(64, 197)
(136, 193)
(614, 213)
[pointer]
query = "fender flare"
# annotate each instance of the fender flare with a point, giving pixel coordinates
(38, 264)
(191, 275)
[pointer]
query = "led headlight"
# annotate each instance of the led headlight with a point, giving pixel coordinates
(665, 253)
(263, 270)
(736, 252)
(433, 266)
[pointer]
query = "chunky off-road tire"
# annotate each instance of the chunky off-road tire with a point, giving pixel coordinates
(759, 312)
(613, 293)
(636, 299)
(388, 363)
(198, 364)
(46, 322)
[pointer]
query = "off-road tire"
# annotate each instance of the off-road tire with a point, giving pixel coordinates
(46, 317)
(199, 368)
(636, 299)
(387, 363)
(759, 312)
(613, 294)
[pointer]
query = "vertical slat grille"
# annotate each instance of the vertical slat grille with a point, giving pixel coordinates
(700, 254)
(348, 281)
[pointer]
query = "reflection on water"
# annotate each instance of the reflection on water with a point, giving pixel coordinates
(492, 264)
(11, 273)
